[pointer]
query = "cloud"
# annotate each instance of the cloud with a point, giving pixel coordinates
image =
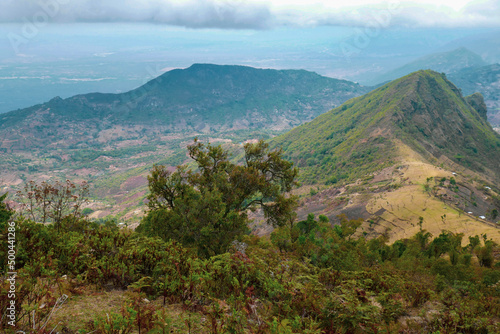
(225, 14)
(484, 12)
(260, 14)
(440, 14)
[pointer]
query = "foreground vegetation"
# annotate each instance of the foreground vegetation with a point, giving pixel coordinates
(314, 278)
(307, 277)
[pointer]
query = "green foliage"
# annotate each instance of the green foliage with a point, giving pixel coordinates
(485, 254)
(115, 323)
(5, 212)
(311, 277)
(325, 279)
(91, 155)
(207, 208)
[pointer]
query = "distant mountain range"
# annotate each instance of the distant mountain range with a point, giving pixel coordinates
(446, 62)
(203, 98)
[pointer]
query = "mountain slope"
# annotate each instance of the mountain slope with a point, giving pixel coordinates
(202, 98)
(424, 110)
(485, 80)
(411, 154)
(446, 62)
(112, 140)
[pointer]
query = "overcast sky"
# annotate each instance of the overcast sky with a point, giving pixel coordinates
(259, 14)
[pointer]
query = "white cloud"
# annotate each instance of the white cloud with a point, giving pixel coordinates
(259, 14)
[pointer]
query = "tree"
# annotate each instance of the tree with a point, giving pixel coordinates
(208, 208)
(494, 214)
(52, 202)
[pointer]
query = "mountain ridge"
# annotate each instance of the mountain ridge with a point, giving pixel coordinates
(411, 155)
(424, 108)
(201, 98)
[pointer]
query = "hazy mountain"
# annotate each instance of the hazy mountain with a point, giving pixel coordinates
(485, 43)
(446, 62)
(202, 98)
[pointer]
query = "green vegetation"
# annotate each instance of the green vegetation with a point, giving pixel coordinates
(208, 208)
(192, 265)
(423, 110)
(5, 213)
(91, 155)
(198, 99)
(51, 202)
(312, 278)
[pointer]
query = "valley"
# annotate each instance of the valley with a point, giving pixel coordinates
(348, 164)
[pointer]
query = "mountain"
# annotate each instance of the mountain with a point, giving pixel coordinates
(485, 43)
(485, 80)
(414, 147)
(200, 99)
(424, 110)
(112, 140)
(446, 62)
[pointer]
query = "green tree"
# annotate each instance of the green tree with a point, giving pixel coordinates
(494, 214)
(208, 208)
(485, 254)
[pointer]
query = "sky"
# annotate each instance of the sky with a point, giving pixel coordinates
(259, 14)
(68, 47)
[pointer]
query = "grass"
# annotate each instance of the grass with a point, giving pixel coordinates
(405, 205)
(80, 310)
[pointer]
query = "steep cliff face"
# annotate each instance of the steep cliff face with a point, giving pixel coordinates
(476, 101)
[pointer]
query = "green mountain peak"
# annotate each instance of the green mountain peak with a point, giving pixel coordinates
(423, 110)
(203, 98)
